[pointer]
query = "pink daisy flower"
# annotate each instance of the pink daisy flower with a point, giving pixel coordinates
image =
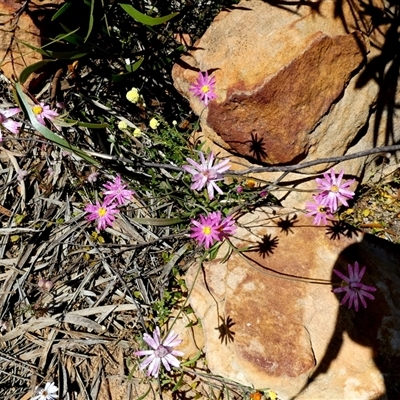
(212, 228)
(205, 174)
(352, 286)
(43, 111)
(104, 214)
(162, 353)
(116, 191)
(204, 88)
(318, 210)
(333, 191)
(7, 122)
(225, 226)
(206, 230)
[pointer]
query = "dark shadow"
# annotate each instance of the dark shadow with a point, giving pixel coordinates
(380, 23)
(378, 325)
(225, 330)
(257, 147)
(266, 247)
(287, 223)
(341, 228)
(384, 68)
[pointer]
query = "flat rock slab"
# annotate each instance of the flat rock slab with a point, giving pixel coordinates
(270, 319)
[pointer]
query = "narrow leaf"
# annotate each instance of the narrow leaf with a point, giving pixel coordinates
(90, 20)
(47, 133)
(145, 19)
(131, 68)
(24, 75)
(63, 55)
(90, 125)
(158, 221)
(61, 11)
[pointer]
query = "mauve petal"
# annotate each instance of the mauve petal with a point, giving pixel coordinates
(202, 160)
(190, 170)
(340, 176)
(361, 273)
(147, 361)
(356, 302)
(172, 360)
(369, 288)
(10, 112)
(340, 289)
(177, 353)
(143, 352)
(341, 276)
(367, 294)
(222, 166)
(216, 187)
(347, 297)
(363, 302)
(172, 340)
(150, 341)
(351, 273)
(154, 367)
(165, 363)
(210, 190)
(12, 126)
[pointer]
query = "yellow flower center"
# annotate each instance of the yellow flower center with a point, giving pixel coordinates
(205, 89)
(37, 109)
(334, 189)
(321, 209)
(250, 183)
(102, 212)
(207, 230)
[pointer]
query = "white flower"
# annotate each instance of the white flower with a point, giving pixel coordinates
(206, 174)
(48, 393)
(162, 353)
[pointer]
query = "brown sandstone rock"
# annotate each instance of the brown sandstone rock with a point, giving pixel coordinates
(288, 86)
(286, 326)
(18, 28)
(272, 123)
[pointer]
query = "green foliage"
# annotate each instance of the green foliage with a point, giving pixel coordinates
(145, 19)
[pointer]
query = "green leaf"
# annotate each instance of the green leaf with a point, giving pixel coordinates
(24, 75)
(47, 133)
(61, 10)
(90, 20)
(158, 221)
(71, 36)
(145, 19)
(62, 55)
(145, 395)
(131, 68)
(90, 125)
(178, 384)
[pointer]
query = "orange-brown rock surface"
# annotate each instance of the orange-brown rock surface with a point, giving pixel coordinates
(283, 111)
(284, 328)
(19, 24)
(295, 83)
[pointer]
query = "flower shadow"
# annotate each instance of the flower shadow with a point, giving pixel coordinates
(287, 223)
(341, 228)
(226, 333)
(267, 245)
